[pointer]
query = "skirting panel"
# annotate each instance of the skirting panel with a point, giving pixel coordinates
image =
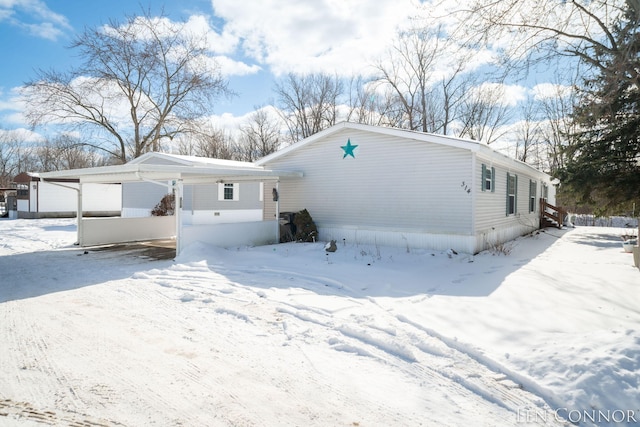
(410, 240)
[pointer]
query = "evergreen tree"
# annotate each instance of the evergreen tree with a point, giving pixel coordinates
(603, 158)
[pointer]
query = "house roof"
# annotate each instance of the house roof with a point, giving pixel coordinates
(189, 169)
(26, 177)
(462, 143)
(191, 160)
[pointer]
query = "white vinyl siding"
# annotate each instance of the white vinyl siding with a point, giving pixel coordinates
(201, 197)
(392, 183)
(491, 208)
(402, 191)
(268, 204)
(139, 198)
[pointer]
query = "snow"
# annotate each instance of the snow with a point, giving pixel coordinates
(291, 335)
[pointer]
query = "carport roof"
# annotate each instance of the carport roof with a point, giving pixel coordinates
(189, 169)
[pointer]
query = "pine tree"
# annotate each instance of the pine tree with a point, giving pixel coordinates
(603, 159)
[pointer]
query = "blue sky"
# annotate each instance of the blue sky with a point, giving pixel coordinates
(257, 41)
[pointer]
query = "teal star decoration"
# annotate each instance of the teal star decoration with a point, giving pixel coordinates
(348, 149)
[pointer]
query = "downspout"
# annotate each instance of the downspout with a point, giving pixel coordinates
(178, 188)
(277, 211)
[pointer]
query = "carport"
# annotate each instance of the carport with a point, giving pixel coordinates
(101, 231)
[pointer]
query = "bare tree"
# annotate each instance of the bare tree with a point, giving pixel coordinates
(426, 77)
(308, 104)
(558, 126)
(407, 71)
(141, 82)
(209, 141)
(530, 31)
(528, 133)
(452, 94)
(64, 152)
(484, 114)
(15, 156)
(261, 135)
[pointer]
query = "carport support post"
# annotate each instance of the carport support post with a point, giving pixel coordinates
(79, 214)
(177, 191)
(278, 211)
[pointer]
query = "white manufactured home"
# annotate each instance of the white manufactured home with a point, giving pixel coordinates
(378, 185)
(361, 184)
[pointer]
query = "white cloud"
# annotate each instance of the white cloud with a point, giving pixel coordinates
(35, 17)
(221, 43)
(319, 36)
(20, 134)
(508, 95)
(550, 90)
(231, 67)
(198, 29)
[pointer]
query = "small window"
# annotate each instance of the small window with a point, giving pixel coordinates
(228, 191)
(545, 191)
(512, 193)
(533, 191)
(488, 178)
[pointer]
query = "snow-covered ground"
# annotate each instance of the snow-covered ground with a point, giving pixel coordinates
(288, 335)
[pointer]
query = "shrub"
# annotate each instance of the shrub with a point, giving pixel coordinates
(306, 230)
(166, 206)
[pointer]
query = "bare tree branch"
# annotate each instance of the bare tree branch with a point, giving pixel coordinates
(141, 81)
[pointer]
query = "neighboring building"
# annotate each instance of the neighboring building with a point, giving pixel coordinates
(7, 201)
(39, 199)
(379, 185)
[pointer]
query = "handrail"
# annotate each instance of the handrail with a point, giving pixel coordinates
(559, 215)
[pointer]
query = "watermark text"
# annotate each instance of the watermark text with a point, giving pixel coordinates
(576, 416)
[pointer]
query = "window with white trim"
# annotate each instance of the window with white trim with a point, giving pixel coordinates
(533, 191)
(512, 194)
(228, 191)
(488, 181)
(545, 191)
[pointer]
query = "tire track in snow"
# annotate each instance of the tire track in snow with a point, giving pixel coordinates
(429, 358)
(21, 411)
(371, 342)
(488, 379)
(404, 345)
(184, 371)
(33, 355)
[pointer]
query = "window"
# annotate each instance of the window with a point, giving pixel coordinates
(533, 190)
(488, 181)
(488, 178)
(512, 194)
(545, 191)
(228, 191)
